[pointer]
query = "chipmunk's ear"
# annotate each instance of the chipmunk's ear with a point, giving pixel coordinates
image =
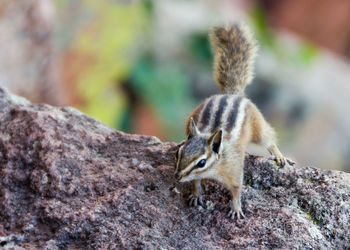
(215, 141)
(193, 130)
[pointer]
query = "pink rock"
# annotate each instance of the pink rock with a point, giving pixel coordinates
(76, 183)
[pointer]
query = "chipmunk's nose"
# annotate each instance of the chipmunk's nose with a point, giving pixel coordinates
(177, 176)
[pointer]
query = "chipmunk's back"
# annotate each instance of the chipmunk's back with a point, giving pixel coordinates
(227, 112)
(235, 50)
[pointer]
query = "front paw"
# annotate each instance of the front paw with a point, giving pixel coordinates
(194, 200)
(235, 214)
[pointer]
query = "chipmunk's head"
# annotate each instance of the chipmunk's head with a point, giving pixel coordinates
(197, 156)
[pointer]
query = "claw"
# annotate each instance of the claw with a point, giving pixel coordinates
(195, 200)
(282, 161)
(290, 162)
(232, 214)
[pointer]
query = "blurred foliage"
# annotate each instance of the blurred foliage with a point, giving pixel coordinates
(166, 87)
(115, 40)
(304, 55)
(198, 47)
(108, 41)
(142, 66)
(263, 32)
(308, 54)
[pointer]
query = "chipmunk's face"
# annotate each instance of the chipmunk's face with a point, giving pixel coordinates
(198, 155)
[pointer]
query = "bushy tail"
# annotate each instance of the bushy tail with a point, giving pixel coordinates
(235, 50)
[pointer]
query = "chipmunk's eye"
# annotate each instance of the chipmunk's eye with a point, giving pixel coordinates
(177, 154)
(201, 163)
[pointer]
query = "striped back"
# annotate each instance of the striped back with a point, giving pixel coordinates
(226, 112)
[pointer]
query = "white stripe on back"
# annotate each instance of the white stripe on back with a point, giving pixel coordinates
(239, 120)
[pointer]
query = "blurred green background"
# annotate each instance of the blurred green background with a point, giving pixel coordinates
(142, 66)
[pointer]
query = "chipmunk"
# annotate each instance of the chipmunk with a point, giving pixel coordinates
(219, 130)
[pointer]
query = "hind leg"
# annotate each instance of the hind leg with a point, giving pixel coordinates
(269, 141)
(264, 135)
(278, 157)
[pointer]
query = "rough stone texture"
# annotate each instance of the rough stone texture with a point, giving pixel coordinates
(68, 181)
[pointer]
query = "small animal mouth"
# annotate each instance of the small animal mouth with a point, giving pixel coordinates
(178, 176)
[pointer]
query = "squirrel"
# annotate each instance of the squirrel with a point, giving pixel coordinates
(219, 130)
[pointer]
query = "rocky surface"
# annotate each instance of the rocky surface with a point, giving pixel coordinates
(68, 181)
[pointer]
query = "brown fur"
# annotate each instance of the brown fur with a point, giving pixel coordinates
(195, 115)
(235, 50)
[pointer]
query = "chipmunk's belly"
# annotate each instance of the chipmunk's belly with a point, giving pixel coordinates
(226, 112)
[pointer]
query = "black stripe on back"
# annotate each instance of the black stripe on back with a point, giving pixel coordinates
(206, 114)
(219, 112)
(231, 119)
(197, 113)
